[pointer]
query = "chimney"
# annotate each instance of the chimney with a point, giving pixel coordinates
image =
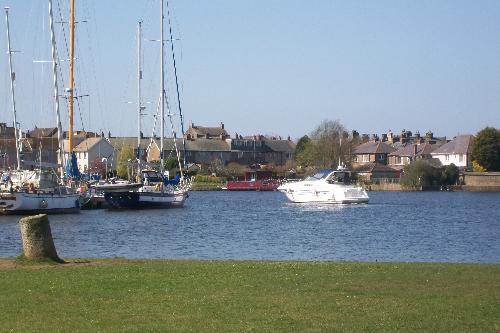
(191, 125)
(415, 149)
(289, 138)
(355, 134)
(109, 134)
(384, 137)
(221, 125)
(142, 135)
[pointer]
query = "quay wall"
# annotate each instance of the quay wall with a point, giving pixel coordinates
(384, 187)
(481, 181)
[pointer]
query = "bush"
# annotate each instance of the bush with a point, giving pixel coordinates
(450, 175)
(418, 174)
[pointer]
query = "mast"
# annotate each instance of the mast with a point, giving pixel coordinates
(56, 90)
(162, 98)
(12, 78)
(177, 87)
(70, 89)
(139, 107)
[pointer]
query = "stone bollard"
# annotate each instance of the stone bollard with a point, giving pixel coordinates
(37, 238)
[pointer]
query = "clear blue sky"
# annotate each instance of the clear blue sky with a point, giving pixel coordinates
(272, 67)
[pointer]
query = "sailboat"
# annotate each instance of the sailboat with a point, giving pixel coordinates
(156, 190)
(18, 193)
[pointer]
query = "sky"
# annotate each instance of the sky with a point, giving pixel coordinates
(275, 67)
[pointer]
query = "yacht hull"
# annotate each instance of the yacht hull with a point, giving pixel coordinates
(315, 192)
(144, 200)
(23, 203)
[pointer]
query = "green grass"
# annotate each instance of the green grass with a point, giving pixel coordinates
(249, 296)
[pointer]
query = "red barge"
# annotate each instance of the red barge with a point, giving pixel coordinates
(254, 181)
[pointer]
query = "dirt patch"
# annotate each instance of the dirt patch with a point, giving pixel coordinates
(6, 264)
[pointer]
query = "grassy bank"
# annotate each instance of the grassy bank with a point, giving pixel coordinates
(218, 296)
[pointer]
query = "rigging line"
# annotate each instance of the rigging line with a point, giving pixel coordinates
(174, 135)
(176, 84)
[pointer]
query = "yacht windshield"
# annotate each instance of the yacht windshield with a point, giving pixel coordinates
(341, 177)
(319, 175)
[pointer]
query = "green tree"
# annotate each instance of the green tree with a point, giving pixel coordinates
(486, 150)
(124, 162)
(420, 173)
(304, 151)
(171, 164)
(450, 175)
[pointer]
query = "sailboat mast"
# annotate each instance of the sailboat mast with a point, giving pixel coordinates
(177, 87)
(56, 89)
(139, 106)
(71, 63)
(162, 99)
(9, 51)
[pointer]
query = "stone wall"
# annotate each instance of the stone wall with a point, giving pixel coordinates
(482, 181)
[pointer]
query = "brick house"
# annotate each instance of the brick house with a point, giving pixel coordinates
(372, 151)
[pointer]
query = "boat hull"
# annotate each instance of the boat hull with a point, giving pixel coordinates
(324, 194)
(252, 185)
(144, 200)
(22, 203)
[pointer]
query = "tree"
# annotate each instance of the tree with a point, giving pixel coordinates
(450, 175)
(327, 143)
(97, 166)
(486, 150)
(304, 151)
(420, 173)
(171, 164)
(234, 169)
(216, 166)
(124, 162)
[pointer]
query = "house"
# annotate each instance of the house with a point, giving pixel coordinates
(372, 151)
(409, 153)
(196, 132)
(375, 173)
(148, 148)
(36, 147)
(457, 151)
(259, 149)
(93, 149)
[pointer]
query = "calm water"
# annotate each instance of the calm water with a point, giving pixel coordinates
(432, 226)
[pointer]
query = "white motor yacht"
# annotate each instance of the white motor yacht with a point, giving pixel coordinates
(325, 186)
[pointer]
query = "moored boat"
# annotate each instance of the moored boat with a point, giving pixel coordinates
(257, 180)
(155, 192)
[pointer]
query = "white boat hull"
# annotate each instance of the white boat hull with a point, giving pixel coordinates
(35, 203)
(324, 190)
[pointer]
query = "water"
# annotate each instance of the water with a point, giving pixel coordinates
(395, 226)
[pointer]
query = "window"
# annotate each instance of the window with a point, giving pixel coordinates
(446, 157)
(380, 157)
(460, 157)
(398, 159)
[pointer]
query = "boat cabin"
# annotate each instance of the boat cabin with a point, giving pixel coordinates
(331, 176)
(150, 177)
(251, 176)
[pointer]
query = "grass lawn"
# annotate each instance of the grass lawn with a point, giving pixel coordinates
(248, 296)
